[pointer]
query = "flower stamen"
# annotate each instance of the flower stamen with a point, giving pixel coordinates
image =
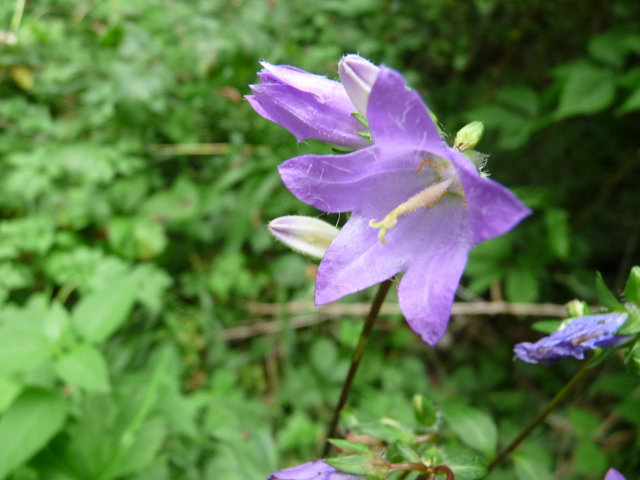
(425, 198)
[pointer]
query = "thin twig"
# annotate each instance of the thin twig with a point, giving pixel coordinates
(305, 314)
(459, 308)
(383, 288)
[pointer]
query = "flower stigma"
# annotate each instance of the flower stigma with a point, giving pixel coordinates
(425, 198)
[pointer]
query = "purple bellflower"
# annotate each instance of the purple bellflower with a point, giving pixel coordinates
(574, 338)
(418, 206)
(613, 474)
(308, 105)
(317, 470)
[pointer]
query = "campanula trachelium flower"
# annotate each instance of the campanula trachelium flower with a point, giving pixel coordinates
(574, 338)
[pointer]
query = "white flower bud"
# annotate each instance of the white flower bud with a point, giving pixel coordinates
(358, 76)
(307, 235)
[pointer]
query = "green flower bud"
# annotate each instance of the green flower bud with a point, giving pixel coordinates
(468, 136)
(576, 308)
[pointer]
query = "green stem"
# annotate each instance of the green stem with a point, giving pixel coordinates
(383, 288)
(559, 398)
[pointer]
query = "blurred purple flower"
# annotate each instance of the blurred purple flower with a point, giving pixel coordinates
(418, 206)
(308, 105)
(613, 474)
(317, 470)
(574, 338)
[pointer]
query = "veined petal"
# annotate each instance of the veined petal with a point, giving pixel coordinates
(399, 118)
(427, 290)
(363, 181)
(325, 90)
(305, 117)
(494, 210)
(355, 260)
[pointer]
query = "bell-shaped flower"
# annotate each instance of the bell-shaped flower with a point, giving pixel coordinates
(574, 338)
(417, 206)
(358, 76)
(308, 105)
(317, 470)
(303, 234)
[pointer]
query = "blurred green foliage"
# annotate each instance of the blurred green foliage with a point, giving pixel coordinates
(136, 182)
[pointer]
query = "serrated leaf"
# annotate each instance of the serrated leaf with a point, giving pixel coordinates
(474, 427)
(99, 314)
(632, 288)
(467, 468)
(28, 425)
(353, 464)
(527, 468)
(587, 89)
(348, 445)
(84, 367)
(606, 296)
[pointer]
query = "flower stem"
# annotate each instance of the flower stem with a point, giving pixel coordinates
(383, 288)
(560, 396)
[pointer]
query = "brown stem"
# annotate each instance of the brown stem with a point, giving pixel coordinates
(355, 360)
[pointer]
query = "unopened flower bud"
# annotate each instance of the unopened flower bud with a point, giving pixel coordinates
(576, 308)
(468, 136)
(307, 235)
(358, 76)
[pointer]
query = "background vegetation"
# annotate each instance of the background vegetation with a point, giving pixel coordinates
(135, 185)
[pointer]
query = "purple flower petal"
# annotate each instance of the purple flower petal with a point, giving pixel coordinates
(309, 106)
(574, 339)
(494, 210)
(613, 474)
(427, 289)
(417, 205)
(317, 470)
(399, 118)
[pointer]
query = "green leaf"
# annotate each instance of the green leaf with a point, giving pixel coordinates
(546, 326)
(528, 468)
(588, 458)
(631, 104)
(606, 297)
(84, 367)
(353, 464)
(9, 390)
(632, 288)
(349, 446)
(28, 425)
(23, 346)
(587, 89)
(558, 234)
(521, 285)
(467, 468)
(424, 410)
(99, 314)
(474, 427)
